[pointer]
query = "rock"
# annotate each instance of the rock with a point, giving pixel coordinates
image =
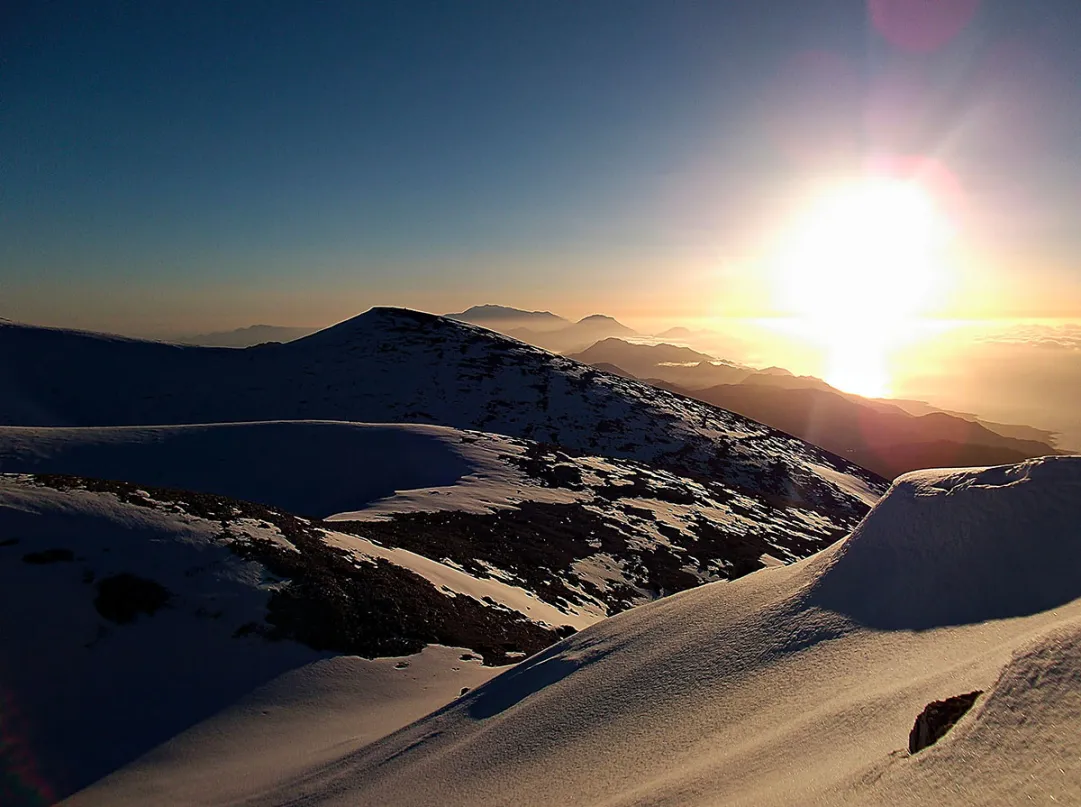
(937, 718)
(49, 556)
(122, 597)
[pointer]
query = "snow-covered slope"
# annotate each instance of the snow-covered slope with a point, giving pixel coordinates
(310, 468)
(398, 366)
(794, 685)
(132, 612)
(588, 535)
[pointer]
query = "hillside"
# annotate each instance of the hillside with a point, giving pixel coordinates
(403, 541)
(885, 439)
(674, 364)
(398, 366)
(889, 439)
(795, 685)
(134, 612)
(590, 536)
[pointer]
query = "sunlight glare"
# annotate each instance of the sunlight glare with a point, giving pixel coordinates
(863, 263)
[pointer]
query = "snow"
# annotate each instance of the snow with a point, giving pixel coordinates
(85, 693)
(907, 566)
(71, 672)
(857, 487)
(793, 685)
(312, 468)
(797, 684)
(357, 472)
(308, 716)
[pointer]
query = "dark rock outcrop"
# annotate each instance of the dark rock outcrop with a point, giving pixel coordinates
(937, 718)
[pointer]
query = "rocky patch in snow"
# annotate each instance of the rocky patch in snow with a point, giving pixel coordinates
(133, 611)
(588, 535)
(321, 596)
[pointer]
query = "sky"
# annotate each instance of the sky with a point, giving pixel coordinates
(182, 167)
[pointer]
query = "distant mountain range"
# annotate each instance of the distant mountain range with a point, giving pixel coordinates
(246, 337)
(672, 364)
(501, 318)
(877, 434)
(544, 329)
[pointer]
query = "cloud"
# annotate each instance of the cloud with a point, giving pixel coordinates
(1066, 336)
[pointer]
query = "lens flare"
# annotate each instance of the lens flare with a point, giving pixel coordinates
(21, 783)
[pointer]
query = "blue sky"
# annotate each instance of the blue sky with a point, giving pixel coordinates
(179, 166)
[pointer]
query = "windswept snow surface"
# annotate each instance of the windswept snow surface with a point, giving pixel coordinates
(794, 685)
(311, 715)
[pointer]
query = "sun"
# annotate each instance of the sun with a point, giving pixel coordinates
(866, 251)
(862, 261)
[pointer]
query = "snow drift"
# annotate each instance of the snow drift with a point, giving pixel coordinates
(310, 468)
(953, 547)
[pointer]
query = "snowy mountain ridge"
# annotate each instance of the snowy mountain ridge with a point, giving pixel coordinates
(399, 366)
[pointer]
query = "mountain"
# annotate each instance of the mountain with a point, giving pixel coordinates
(543, 328)
(246, 337)
(576, 336)
(675, 365)
(875, 434)
(399, 366)
(678, 332)
(502, 318)
(885, 439)
(603, 322)
(779, 377)
(1005, 429)
(931, 657)
(636, 358)
(397, 486)
(247, 552)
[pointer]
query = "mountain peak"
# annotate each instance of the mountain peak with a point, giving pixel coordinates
(489, 309)
(597, 318)
(496, 315)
